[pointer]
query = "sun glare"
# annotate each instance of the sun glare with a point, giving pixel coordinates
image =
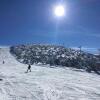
(59, 10)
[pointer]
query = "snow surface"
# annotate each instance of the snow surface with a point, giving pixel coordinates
(45, 83)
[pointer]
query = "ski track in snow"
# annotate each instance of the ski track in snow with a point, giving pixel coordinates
(45, 83)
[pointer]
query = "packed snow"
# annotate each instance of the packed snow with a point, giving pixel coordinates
(45, 83)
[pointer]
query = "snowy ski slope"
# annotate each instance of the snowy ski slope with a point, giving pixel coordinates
(45, 83)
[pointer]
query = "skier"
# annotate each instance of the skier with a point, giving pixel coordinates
(3, 62)
(29, 68)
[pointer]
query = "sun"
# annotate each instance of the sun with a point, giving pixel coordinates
(59, 11)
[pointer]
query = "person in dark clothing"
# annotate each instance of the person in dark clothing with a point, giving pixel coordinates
(29, 68)
(3, 62)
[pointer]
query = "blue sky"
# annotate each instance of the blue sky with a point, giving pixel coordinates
(33, 21)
